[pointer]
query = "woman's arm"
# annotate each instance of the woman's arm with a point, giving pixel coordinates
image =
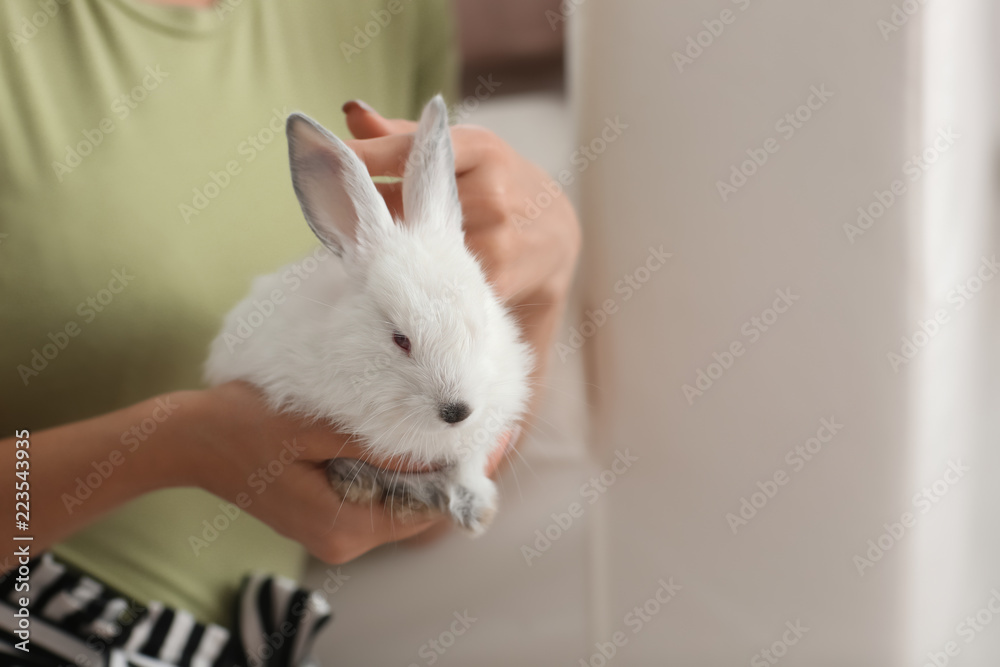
(78, 471)
(215, 439)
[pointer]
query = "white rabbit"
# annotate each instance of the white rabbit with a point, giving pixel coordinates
(401, 343)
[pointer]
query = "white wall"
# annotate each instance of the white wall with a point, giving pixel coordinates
(826, 357)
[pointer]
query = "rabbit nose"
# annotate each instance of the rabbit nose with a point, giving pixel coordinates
(454, 412)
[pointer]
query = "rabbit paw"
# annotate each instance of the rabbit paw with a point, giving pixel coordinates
(472, 511)
(416, 496)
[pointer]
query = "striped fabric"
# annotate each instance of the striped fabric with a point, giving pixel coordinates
(77, 621)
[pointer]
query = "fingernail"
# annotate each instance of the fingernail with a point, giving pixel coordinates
(351, 105)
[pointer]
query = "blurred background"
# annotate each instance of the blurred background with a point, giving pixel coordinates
(771, 429)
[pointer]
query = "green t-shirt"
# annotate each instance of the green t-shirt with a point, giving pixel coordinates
(143, 183)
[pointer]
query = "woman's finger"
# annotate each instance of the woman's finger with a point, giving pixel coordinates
(366, 123)
(386, 155)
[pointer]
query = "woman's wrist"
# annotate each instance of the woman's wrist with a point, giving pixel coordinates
(216, 439)
(181, 447)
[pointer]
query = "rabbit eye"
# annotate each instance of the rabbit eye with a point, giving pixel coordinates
(402, 342)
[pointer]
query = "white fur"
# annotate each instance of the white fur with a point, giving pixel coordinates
(327, 350)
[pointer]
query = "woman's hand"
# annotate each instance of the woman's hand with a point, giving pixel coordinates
(222, 439)
(241, 440)
(529, 260)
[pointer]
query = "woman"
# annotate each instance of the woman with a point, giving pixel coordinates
(143, 183)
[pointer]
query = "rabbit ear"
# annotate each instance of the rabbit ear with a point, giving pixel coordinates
(336, 194)
(430, 194)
